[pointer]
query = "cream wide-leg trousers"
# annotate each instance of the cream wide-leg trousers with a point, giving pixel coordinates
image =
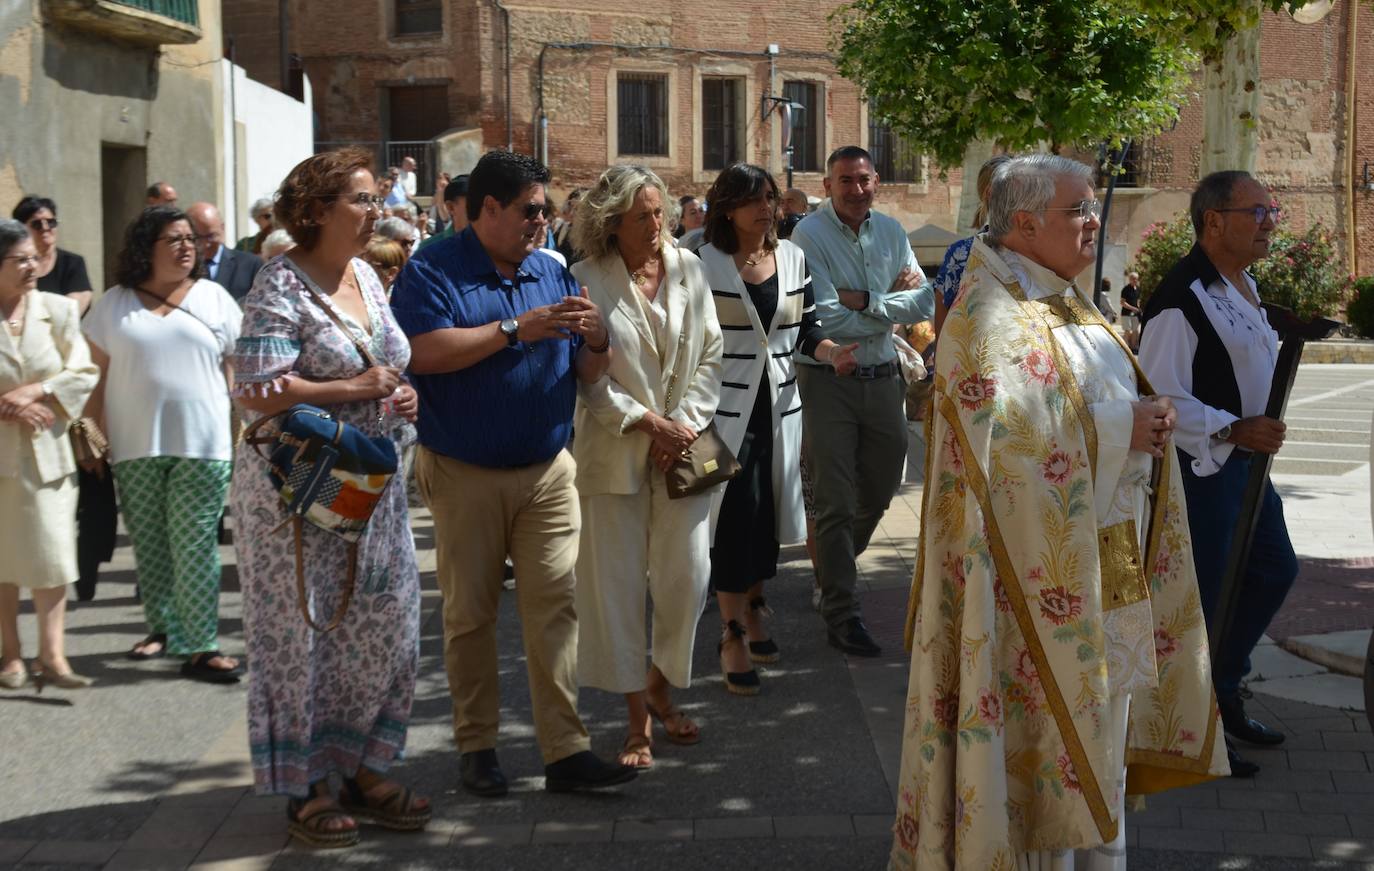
(1108, 857)
(633, 545)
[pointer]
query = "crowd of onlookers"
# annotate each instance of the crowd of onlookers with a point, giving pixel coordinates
(564, 384)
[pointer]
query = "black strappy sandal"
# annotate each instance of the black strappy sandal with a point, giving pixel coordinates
(157, 638)
(766, 650)
(198, 668)
(311, 828)
(741, 683)
(395, 810)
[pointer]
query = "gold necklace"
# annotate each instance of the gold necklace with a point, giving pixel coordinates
(641, 275)
(757, 258)
(15, 320)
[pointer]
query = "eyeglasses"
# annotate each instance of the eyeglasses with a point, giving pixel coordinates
(178, 241)
(1086, 209)
(23, 260)
(370, 201)
(1257, 212)
(41, 224)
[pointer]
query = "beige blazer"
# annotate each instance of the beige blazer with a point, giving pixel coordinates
(51, 349)
(612, 456)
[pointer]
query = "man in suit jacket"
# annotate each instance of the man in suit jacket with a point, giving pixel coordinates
(232, 270)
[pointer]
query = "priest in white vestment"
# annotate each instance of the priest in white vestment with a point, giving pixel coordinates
(1059, 659)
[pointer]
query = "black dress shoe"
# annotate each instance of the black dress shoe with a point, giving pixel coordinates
(1240, 766)
(583, 770)
(1242, 727)
(482, 774)
(854, 639)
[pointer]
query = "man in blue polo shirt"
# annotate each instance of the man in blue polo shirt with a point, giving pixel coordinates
(498, 338)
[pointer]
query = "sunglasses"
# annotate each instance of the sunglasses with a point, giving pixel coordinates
(41, 224)
(1085, 209)
(532, 211)
(1259, 213)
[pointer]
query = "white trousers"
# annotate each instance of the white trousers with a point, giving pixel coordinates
(643, 543)
(1108, 857)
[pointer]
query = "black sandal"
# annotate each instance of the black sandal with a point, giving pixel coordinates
(396, 810)
(311, 829)
(766, 650)
(158, 638)
(741, 683)
(198, 668)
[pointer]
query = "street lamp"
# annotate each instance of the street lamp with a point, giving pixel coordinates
(785, 108)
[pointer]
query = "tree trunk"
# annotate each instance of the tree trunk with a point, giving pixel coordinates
(1230, 137)
(975, 155)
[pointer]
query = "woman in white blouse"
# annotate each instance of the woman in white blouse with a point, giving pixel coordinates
(659, 393)
(160, 337)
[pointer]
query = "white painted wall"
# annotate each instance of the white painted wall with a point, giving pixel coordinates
(275, 132)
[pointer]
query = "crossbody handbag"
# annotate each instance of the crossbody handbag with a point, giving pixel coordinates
(327, 473)
(707, 461)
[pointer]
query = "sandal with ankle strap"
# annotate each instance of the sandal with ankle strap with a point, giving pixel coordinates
(741, 683)
(313, 828)
(675, 724)
(637, 749)
(396, 810)
(767, 650)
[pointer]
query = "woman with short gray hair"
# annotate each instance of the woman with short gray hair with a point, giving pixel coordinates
(632, 425)
(261, 213)
(46, 375)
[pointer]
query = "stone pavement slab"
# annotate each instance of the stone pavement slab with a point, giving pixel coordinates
(1342, 652)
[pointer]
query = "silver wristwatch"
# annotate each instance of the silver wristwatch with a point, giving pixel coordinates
(1223, 434)
(510, 328)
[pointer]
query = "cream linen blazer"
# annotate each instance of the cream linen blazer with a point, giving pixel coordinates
(612, 456)
(51, 349)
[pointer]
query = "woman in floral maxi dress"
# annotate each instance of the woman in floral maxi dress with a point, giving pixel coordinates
(337, 702)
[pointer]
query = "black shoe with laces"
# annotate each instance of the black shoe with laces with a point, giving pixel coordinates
(1242, 727)
(855, 639)
(584, 770)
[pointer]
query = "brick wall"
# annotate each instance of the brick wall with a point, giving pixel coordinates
(352, 58)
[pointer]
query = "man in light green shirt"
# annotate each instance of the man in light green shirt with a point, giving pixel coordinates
(865, 279)
(456, 204)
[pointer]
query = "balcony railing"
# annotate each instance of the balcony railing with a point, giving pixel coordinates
(185, 11)
(142, 22)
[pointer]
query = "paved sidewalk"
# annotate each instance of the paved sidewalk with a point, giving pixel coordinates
(150, 771)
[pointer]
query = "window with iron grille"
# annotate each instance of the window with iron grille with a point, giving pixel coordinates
(642, 114)
(419, 16)
(894, 159)
(720, 133)
(806, 125)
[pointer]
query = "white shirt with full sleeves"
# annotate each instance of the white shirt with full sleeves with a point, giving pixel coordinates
(1166, 354)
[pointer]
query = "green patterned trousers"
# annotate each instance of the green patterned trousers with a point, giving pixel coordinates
(171, 506)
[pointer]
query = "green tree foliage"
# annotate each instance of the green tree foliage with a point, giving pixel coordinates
(1029, 73)
(1059, 72)
(1360, 312)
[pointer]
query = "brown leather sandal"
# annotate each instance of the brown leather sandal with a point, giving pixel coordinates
(398, 809)
(636, 752)
(676, 725)
(313, 828)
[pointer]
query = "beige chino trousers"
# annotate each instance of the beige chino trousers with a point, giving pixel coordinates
(480, 516)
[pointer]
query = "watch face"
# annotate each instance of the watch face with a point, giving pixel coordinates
(510, 327)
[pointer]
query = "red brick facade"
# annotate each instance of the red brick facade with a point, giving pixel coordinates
(348, 50)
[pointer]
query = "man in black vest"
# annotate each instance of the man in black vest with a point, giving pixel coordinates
(1207, 344)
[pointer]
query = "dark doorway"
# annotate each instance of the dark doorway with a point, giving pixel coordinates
(123, 187)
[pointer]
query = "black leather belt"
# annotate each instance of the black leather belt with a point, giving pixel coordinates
(872, 373)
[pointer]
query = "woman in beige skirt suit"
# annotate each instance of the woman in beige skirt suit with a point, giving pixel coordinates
(46, 375)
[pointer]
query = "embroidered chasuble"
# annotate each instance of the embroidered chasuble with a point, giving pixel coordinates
(1054, 578)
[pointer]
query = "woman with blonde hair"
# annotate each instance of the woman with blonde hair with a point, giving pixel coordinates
(632, 425)
(386, 257)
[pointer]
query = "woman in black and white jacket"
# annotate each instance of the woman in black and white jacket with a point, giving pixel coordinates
(762, 292)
